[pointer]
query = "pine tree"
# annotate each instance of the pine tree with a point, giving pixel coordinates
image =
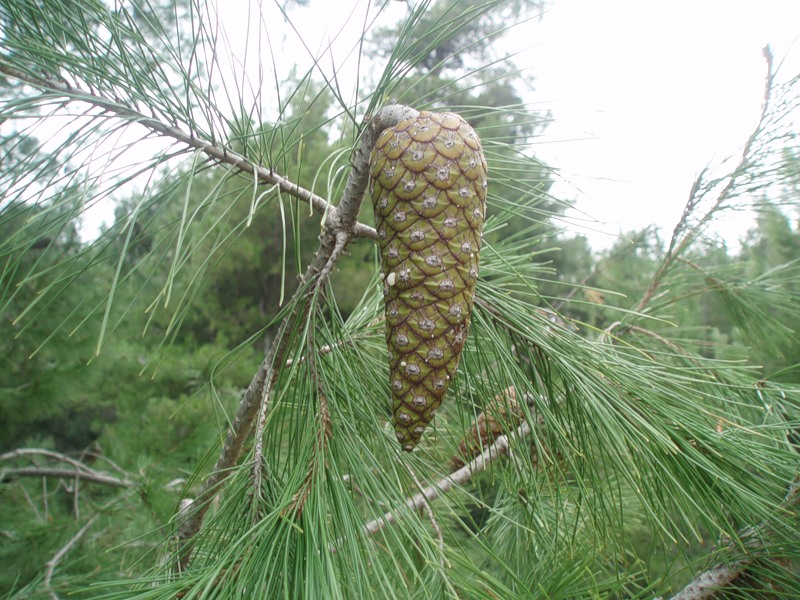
(570, 459)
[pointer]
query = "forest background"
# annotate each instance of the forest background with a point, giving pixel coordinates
(661, 375)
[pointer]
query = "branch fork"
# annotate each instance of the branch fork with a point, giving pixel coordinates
(339, 227)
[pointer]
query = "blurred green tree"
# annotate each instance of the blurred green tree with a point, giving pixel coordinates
(616, 441)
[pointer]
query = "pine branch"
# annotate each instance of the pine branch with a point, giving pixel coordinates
(219, 154)
(64, 473)
(257, 396)
(708, 583)
(355, 188)
(50, 565)
(680, 241)
(419, 501)
(339, 226)
(76, 469)
(323, 415)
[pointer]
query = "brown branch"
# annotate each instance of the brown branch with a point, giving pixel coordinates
(218, 153)
(339, 226)
(64, 473)
(50, 565)
(76, 469)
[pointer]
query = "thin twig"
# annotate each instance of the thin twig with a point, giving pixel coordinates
(680, 241)
(597, 269)
(419, 501)
(563, 300)
(65, 473)
(323, 414)
(258, 450)
(669, 344)
(106, 460)
(609, 331)
(337, 221)
(328, 348)
(299, 498)
(50, 565)
(78, 470)
(218, 153)
(45, 501)
(76, 499)
(432, 518)
(257, 392)
(30, 502)
(18, 452)
(499, 448)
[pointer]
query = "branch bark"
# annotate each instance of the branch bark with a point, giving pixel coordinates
(419, 501)
(708, 583)
(339, 226)
(218, 153)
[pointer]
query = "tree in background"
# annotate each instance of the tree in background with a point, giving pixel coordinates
(773, 247)
(596, 442)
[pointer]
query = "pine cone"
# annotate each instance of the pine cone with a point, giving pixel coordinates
(428, 187)
(499, 416)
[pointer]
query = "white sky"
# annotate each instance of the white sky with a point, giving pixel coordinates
(644, 94)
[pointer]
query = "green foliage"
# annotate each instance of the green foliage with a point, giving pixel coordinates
(36, 368)
(770, 256)
(660, 404)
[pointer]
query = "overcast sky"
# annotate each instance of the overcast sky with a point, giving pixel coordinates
(644, 94)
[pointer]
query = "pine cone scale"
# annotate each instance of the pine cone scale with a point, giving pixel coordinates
(428, 185)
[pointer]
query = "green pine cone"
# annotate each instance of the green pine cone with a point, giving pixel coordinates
(428, 187)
